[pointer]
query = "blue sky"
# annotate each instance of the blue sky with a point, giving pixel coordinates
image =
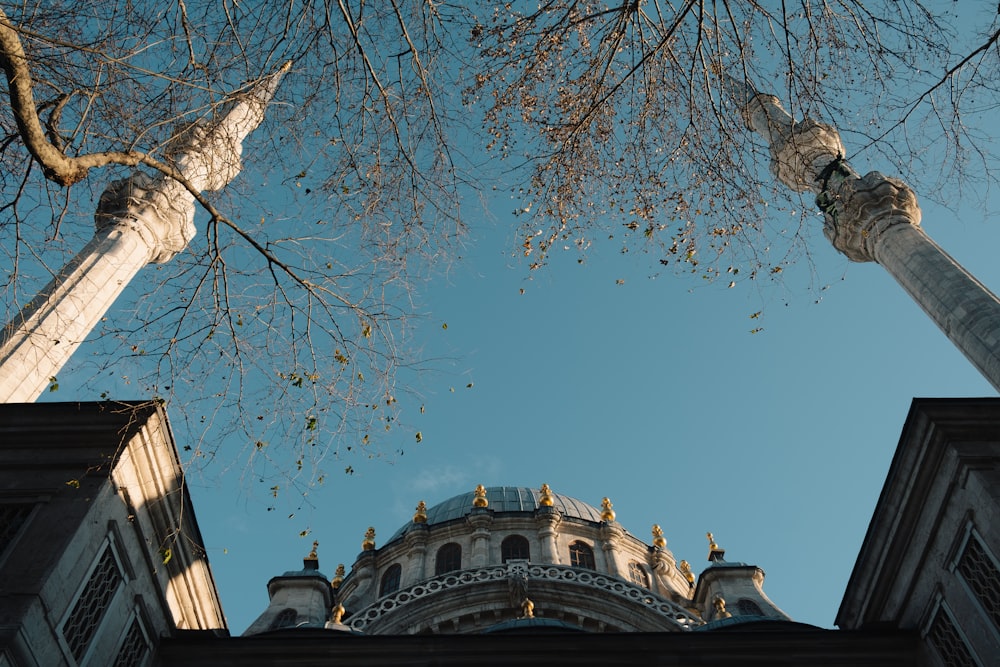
(652, 392)
(603, 379)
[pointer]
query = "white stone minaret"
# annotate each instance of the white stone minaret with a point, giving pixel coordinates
(140, 219)
(876, 218)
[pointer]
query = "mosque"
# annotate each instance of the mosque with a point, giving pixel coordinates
(102, 563)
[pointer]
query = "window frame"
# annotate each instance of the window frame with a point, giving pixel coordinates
(581, 555)
(448, 558)
(107, 546)
(637, 574)
(393, 575)
(515, 543)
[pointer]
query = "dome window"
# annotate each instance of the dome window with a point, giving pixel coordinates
(390, 580)
(581, 555)
(449, 557)
(637, 574)
(747, 607)
(514, 547)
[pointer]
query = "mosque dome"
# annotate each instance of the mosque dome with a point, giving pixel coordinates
(508, 500)
(519, 559)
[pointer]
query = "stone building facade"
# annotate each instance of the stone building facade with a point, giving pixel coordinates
(931, 558)
(101, 563)
(99, 547)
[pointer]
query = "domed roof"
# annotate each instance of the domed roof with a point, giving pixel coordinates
(506, 499)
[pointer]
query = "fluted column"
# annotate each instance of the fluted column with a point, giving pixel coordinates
(876, 218)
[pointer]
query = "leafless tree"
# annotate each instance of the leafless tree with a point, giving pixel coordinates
(618, 110)
(285, 320)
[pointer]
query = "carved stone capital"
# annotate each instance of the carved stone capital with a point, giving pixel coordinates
(160, 210)
(416, 536)
(547, 517)
(611, 535)
(480, 519)
(860, 210)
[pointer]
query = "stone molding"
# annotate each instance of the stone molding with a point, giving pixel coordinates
(673, 614)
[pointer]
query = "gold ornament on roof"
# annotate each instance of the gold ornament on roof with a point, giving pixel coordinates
(421, 514)
(338, 613)
(527, 608)
(338, 577)
(480, 499)
(720, 608)
(658, 539)
(312, 554)
(685, 568)
(607, 514)
(545, 497)
(369, 542)
(715, 552)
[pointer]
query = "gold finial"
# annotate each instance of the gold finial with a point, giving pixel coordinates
(369, 542)
(545, 498)
(480, 499)
(685, 568)
(607, 514)
(714, 551)
(338, 613)
(527, 608)
(658, 539)
(338, 577)
(312, 554)
(720, 608)
(421, 514)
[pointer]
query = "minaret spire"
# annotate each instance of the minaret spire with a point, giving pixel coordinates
(139, 220)
(875, 218)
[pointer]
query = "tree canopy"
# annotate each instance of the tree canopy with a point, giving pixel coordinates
(286, 319)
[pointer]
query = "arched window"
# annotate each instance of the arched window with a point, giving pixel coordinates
(637, 573)
(286, 618)
(746, 607)
(581, 555)
(514, 547)
(449, 557)
(390, 580)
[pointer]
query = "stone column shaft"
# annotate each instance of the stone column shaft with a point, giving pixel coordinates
(547, 519)
(43, 336)
(965, 310)
(611, 535)
(416, 542)
(877, 218)
(480, 519)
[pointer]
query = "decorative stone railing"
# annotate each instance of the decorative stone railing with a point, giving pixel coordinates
(673, 614)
